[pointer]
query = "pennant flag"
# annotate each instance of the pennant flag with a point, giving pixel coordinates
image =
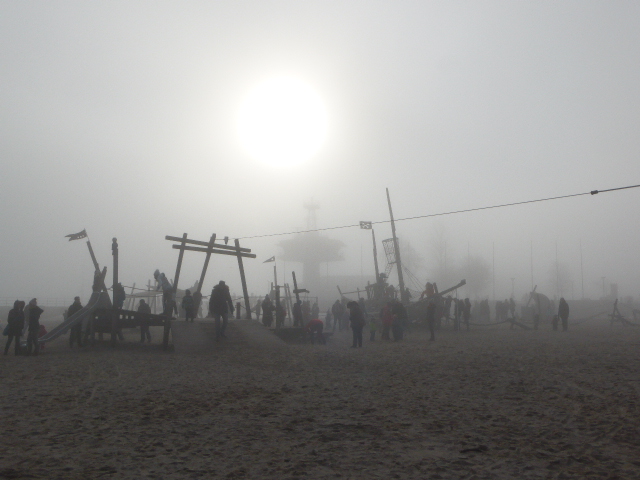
(366, 225)
(77, 236)
(272, 259)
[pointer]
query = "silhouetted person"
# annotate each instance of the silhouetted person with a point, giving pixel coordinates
(297, 314)
(563, 313)
(399, 320)
(189, 306)
(356, 317)
(34, 327)
(336, 310)
(267, 311)
(466, 313)
(144, 307)
(220, 305)
(75, 334)
(119, 296)
(15, 323)
(197, 302)
(165, 285)
(314, 329)
(315, 311)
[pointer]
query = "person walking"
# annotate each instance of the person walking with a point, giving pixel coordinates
(34, 327)
(356, 318)
(15, 323)
(220, 305)
(563, 313)
(75, 334)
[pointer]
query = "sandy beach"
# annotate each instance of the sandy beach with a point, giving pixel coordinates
(490, 403)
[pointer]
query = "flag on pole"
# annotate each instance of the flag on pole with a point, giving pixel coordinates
(77, 236)
(366, 225)
(272, 259)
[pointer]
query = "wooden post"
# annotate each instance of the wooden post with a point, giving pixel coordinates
(179, 266)
(245, 292)
(114, 313)
(277, 304)
(206, 263)
(96, 266)
(396, 248)
(375, 255)
(295, 287)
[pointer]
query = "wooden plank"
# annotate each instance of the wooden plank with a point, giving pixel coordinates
(206, 244)
(245, 292)
(221, 252)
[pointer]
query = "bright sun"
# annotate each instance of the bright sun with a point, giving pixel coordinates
(282, 122)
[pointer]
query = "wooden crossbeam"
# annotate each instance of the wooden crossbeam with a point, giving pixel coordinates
(207, 244)
(232, 252)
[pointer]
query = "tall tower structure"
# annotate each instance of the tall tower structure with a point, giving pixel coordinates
(311, 249)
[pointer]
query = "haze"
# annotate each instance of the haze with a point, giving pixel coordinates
(119, 117)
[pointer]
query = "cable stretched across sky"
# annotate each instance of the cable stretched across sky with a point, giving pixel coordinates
(512, 204)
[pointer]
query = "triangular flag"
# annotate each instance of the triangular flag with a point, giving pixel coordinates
(77, 236)
(272, 259)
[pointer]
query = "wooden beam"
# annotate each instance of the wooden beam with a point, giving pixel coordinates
(206, 244)
(221, 252)
(245, 292)
(206, 263)
(179, 266)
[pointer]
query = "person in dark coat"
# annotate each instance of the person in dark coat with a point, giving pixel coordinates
(357, 323)
(144, 307)
(75, 334)
(563, 313)
(15, 323)
(189, 305)
(267, 311)
(400, 318)
(119, 296)
(297, 314)
(34, 327)
(220, 305)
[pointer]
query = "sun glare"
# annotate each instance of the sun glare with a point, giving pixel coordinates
(282, 122)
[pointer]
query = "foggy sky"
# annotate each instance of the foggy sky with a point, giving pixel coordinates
(119, 117)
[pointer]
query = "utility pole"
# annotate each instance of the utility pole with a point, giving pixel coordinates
(396, 248)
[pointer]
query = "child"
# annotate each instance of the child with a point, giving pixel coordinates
(373, 328)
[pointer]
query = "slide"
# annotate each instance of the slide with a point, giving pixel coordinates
(97, 300)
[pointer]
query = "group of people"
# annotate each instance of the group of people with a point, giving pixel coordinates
(21, 316)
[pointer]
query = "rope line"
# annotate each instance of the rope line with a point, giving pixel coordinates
(512, 204)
